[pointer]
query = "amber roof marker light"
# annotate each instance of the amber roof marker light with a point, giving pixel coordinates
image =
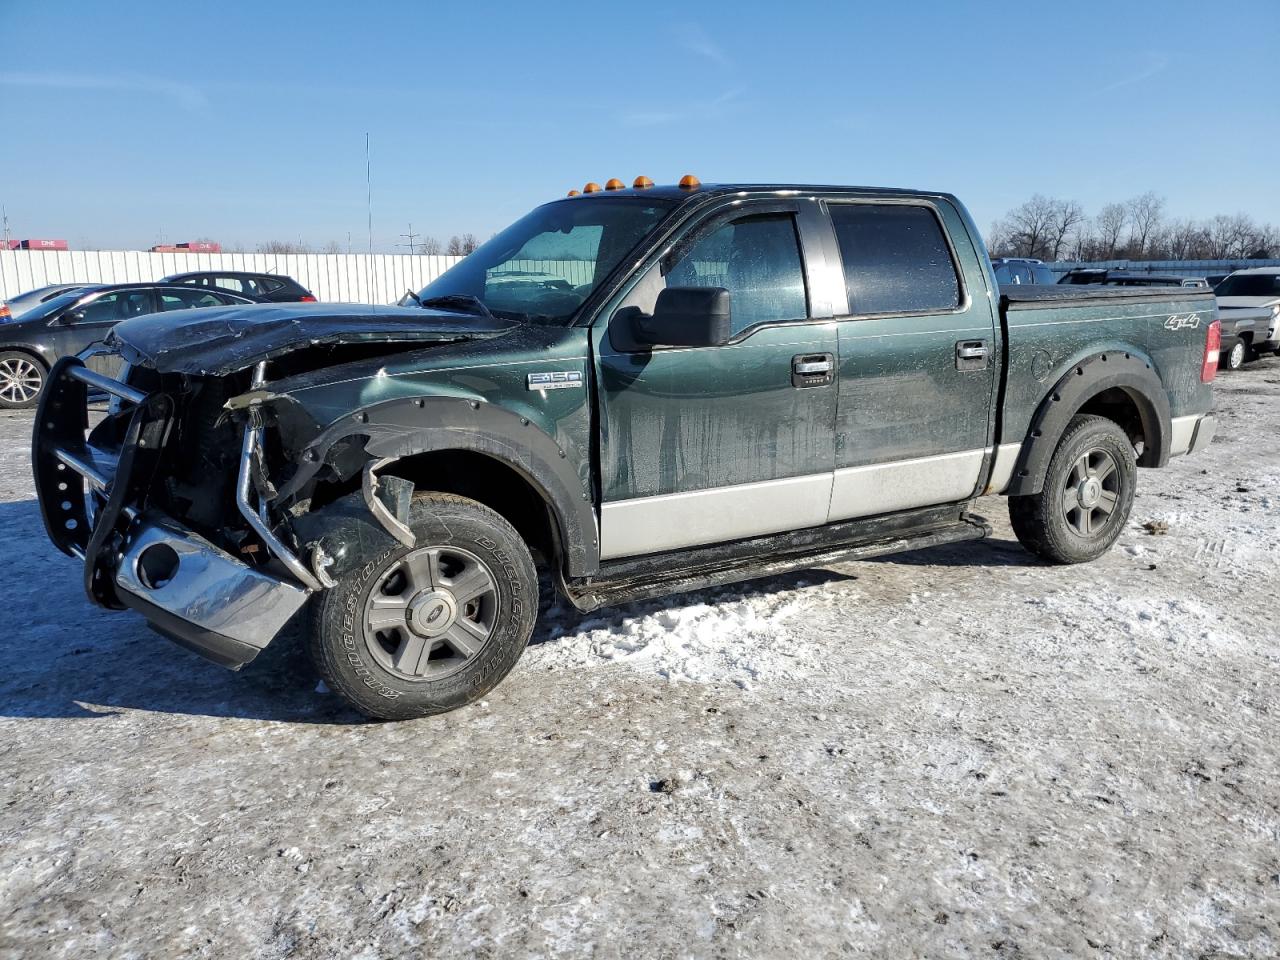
(573, 193)
(591, 187)
(614, 184)
(642, 183)
(689, 182)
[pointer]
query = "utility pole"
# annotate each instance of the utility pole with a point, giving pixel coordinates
(412, 238)
(4, 215)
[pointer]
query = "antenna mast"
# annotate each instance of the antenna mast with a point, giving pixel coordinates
(368, 182)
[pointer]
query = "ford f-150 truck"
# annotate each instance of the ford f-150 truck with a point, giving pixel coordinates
(730, 382)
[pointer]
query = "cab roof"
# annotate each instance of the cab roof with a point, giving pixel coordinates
(672, 192)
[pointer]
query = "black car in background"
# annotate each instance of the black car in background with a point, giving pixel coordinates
(1124, 278)
(263, 287)
(74, 321)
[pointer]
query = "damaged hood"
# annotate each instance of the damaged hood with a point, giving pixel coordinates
(216, 341)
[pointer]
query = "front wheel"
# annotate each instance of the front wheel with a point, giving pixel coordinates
(1086, 498)
(22, 378)
(417, 631)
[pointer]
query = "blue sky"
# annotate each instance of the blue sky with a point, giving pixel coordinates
(121, 123)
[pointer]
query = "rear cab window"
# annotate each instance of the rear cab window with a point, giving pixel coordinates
(896, 258)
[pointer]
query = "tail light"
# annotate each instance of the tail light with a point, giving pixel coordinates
(4, 311)
(1212, 347)
(307, 298)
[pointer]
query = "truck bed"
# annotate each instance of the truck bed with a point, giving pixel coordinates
(1050, 329)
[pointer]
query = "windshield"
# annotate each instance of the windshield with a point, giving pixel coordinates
(546, 264)
(1249, 285)
(53, 306)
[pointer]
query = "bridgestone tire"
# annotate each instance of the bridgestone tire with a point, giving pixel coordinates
(1039, 519)
(342, 651)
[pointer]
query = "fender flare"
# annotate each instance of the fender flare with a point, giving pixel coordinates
(405, 427)
(1113, 369)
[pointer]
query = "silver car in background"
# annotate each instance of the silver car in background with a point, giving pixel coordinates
(24, 302)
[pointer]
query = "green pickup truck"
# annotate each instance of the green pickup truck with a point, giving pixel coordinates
(628, 393)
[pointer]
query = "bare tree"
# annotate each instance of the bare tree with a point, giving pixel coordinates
(1145, 213)
(1182, 240)
(429, 246)
(1028, 230)
(333, 247)
(283, 246)
(1110, 223)
(460, 246)
(1067, 216)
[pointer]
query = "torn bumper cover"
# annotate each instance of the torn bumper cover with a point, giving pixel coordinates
(201, 597)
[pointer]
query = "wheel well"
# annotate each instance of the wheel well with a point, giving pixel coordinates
(1119, 406)
(486, 480)
(1245, 337)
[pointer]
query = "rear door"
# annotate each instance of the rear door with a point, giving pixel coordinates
(710, 444)
(918, 355)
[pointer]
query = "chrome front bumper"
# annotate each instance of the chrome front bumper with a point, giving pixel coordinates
(200, 596)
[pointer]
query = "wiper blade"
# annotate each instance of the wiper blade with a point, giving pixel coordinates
(416, 298)
(457, 300)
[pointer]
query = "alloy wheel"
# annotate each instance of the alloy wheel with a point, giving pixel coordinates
(431, 613)
(1091, 492)
(20, 380)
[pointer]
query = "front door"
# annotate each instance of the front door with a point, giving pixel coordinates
(93, 320)
(710, 444)
(919, 352)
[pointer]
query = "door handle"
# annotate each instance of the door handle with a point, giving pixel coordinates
(972, 355)
(812, 369)
(812, 366)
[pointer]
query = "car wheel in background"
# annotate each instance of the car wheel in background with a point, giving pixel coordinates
(1087, 494)
(417, 631)
(1237, 355)
(22, 378)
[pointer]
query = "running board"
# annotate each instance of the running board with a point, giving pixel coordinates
(646, 578)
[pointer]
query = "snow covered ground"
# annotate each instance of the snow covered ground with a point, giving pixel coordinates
(949, 753)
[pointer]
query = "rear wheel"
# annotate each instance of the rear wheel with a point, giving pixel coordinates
(22, 378)
(1087, 494)
(423, 630)
(1237, 355)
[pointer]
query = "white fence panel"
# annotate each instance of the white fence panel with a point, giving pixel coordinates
(354, 277)
(337, 277)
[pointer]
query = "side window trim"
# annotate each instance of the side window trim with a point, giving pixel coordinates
(965, 299)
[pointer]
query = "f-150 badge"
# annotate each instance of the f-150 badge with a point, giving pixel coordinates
(555, 380)
(1183, 321)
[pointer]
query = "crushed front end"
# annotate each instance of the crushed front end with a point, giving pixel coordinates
(165, 500)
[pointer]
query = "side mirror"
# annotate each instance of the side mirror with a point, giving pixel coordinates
(72, 316)
(687, 317)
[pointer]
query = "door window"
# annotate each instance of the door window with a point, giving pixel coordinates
(116, 306)
(234, 284)
(896, 258)
(757, 259)
(189, 299)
